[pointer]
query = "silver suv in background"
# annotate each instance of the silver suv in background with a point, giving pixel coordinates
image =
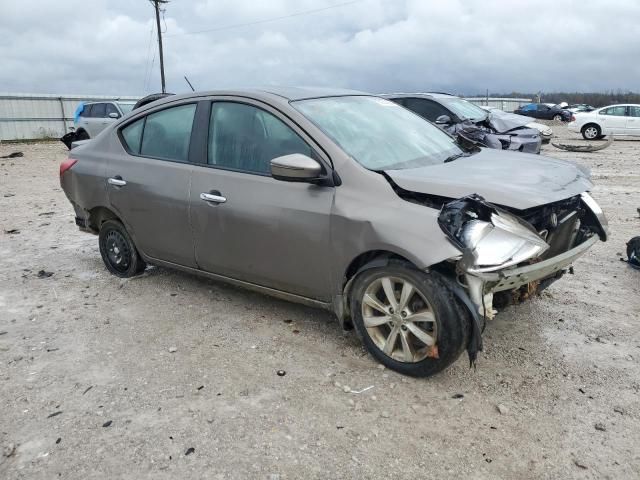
(96, 116)
(339, 200)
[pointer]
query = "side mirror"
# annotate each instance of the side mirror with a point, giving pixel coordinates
(114, 115)
(443, 120)
(295, 168)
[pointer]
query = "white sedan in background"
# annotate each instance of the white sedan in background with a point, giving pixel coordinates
(611, 120)
(545, 132)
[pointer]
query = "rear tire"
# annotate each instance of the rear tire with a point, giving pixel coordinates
(557, 118)
(424, 346)
(591, 131)
(118, 251)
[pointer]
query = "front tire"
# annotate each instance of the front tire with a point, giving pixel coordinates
(118, 252)
(591, 131)
(408, 320)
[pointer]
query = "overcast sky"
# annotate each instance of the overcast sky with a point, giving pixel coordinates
(464, 46)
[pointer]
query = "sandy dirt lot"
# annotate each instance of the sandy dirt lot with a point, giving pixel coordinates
(90, 389)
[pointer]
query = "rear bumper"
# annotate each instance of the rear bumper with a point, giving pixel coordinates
(514, 278)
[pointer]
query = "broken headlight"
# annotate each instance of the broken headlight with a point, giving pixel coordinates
(491, 238)
(500, 243)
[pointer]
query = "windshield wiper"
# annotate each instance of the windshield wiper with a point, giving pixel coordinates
(455, 157)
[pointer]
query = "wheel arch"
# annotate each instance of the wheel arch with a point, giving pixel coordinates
(99, 215)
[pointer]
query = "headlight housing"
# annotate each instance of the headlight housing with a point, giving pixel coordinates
(500, 243)
(491, 238)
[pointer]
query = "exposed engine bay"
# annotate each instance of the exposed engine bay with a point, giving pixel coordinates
(509, 255)
(496, 134)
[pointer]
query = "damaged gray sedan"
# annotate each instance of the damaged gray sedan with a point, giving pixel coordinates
(337, 200)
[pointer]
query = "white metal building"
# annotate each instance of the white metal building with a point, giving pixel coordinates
(506, 104)
(33, 116)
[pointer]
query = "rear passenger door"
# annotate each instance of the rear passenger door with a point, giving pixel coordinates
(148, 182)
(258, 229)
(613, 120)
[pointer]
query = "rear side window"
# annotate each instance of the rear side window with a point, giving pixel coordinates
(426, 108)
(247, 138)
(86, 111)
(132, 135)
(99, 110)
(618, 111)
(167, 133)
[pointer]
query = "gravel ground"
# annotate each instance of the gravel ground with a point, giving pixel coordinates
(172, 376)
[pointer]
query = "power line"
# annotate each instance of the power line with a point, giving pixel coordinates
(267, 20)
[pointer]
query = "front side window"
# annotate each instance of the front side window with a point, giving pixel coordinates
(426, 108)
(167, 133)
(99, 110)
(465, 109)
(379, 134)
(111, 108)
(246, 138)
(618, 111)
(634, 111)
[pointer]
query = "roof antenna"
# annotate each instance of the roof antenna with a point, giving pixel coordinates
(192, 89)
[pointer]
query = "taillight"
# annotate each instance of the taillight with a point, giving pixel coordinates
(67, 164)
(573, 118)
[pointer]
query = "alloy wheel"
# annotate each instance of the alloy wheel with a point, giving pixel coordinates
(591, 132)
(399, 320)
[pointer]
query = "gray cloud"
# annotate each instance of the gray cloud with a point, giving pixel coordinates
(103, 46)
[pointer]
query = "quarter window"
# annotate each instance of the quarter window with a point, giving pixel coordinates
(246, 138)
(132, 135)
(167, 133)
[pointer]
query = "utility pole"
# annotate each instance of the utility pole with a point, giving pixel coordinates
(156, 4)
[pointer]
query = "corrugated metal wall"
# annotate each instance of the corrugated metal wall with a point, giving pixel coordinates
(32, 116)
(506, 104)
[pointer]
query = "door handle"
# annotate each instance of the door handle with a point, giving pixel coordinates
(213, 197)
(116, 181)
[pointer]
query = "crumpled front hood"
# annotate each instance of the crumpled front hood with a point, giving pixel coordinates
(516, 180)
(504, 122)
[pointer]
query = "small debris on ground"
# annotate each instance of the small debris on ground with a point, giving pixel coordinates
(58, 440)
(13, 155)
(44, 274)
(13, 231)
(580, 464)
(107, 424)
(189, 451)
(619, 410)
(55, 414)
(502, 409)
(9, 450)
(87, 389)
(281, 373)
(200, 387)
(173, 349)
(458, 395)
(601, 427)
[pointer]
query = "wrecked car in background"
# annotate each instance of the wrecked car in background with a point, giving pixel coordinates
(546, 132)
(462, 118)
(338, 200)
(545, 111)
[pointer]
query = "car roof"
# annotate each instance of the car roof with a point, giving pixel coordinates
(419, 95)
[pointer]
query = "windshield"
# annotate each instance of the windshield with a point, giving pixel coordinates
(126, 107)
(464, 109)
(379, 134)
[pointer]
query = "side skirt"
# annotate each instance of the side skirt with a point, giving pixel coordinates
(272, 292)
